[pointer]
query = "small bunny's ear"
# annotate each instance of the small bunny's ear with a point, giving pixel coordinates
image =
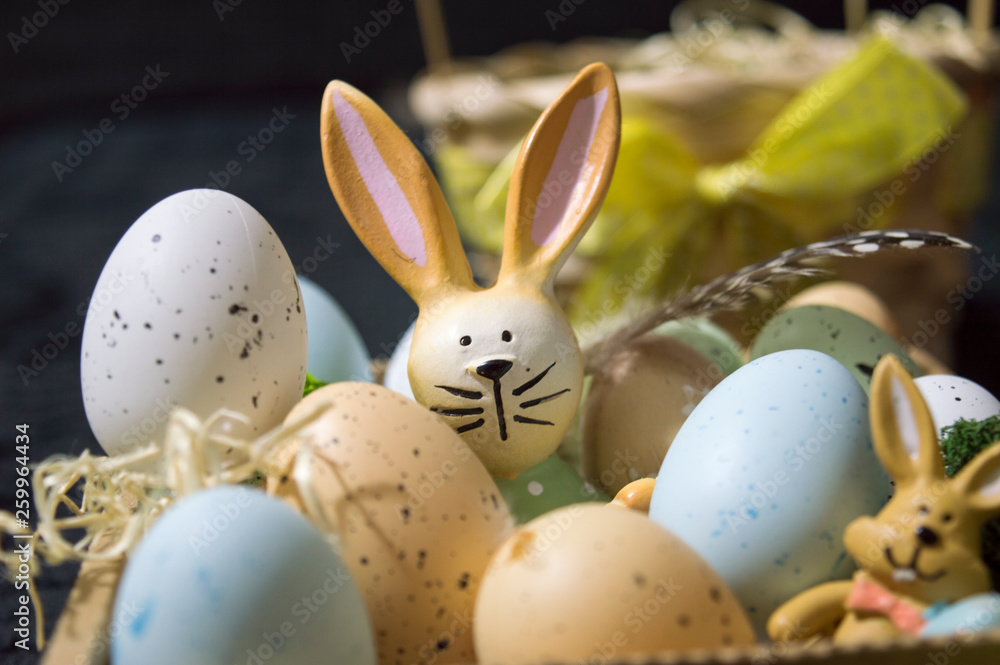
(389, 195)
(979, 480)
(561, 177)
(903, 431)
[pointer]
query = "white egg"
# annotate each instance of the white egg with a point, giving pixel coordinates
(231, 575)
(336, 351)
(951, 398)
(197, 306)
(396, 376)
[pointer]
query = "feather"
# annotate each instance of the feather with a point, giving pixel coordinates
(736, 290)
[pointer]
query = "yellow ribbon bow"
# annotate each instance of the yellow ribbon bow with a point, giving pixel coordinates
(667, 217)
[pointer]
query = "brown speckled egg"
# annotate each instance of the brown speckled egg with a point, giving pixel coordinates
(597, 582)
(636, 405)
(855, 298)
(417, 514)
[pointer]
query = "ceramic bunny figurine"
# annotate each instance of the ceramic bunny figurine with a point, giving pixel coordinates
(922, 551)
(501, 364)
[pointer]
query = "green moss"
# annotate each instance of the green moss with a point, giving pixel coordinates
(960, 443)
(312, 383)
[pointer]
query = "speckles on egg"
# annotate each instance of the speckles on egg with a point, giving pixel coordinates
(170, 340)
(393, 474)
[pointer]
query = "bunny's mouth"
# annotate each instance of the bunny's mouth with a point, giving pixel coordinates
(494, 370)
(910, 573)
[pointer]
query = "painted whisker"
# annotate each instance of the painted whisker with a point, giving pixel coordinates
(535, 402)
(471, 426)
(525, 387)
(461, 392)
(448, 411)
(531, 421)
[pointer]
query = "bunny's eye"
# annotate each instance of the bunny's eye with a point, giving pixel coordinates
(465, 341)
(506, 336)
(946, 517)
(924, 510)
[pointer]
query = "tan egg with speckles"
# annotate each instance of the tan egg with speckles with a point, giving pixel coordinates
(598, 582)
(417, 514)
(855, 298)
(636, 405)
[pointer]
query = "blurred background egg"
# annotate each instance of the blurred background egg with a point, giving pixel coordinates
(851, 297)
(858, 344)
(546, 486)
(417, 515)
(228, 575)
(197, 306)
(636, 405)
(951, 398)
(336, 350)
(396, 376)
(590, 582)
(707, 338)
(767, 472)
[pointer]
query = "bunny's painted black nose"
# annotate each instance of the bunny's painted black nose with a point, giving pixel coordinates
(927, 536)
(494, 369)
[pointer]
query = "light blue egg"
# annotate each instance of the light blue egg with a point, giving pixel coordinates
(396, 375)
(336, 350)
(766, 473)
(974, 614)
(231, 575)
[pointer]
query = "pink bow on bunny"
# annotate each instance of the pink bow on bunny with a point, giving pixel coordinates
(867, 595)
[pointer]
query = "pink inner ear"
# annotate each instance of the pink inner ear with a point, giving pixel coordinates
(906, 423)
(564, 188)
(389, 198)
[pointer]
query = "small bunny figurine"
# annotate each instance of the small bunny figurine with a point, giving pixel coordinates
(922, 551)
(501, 364)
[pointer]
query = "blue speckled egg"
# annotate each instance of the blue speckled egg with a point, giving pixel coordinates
(976, 614)
(231, 575)
(766, 473)
(336, 350)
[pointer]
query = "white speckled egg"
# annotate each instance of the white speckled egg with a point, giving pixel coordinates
(595, 584)
(766, 473)
(857, 343)
(951, 398)
(197, 306)
(396, 376)
(230, 575)
(336, 350)
(417, 514)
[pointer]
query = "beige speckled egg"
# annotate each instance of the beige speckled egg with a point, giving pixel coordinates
(855, 298)
(417, 514)
(598, 582)
(636, 405)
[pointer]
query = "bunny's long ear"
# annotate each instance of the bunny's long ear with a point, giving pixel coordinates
(979, 480)
(389, 195)
(903, 431)
(560, 178)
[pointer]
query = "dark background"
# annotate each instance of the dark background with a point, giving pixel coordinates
(226, 75)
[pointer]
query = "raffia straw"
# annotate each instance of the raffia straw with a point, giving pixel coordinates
(118, 502)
